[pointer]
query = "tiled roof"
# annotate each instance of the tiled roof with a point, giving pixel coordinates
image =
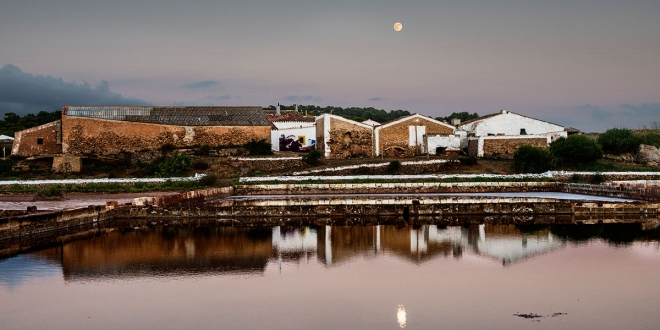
(181, 116)
(287, 115)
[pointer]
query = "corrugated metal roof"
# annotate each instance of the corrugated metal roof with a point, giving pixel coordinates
(181, 116)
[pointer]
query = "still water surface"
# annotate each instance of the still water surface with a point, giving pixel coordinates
(379, 277)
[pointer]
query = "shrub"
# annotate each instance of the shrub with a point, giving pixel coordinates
(200, 165)
(49, 193)
(174, 165)
(468, 161)
(204, 150)
(260, 147)
(394, 166)
(312, 157)
(208, 180)
(530, 159)
(576, 149)
(167, 147)
(597, 178)
(6, 165)
(651, 138)
(619, 140)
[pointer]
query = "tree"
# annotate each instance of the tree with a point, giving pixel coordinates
(619, 140)
(576, 149)
(463, 116)
(530, 159)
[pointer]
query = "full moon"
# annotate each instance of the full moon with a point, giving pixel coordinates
(398, 26)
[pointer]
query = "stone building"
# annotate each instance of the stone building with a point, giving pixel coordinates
(44, 140)
(341, 138)
(110, 130)
(405, 136)
(500, 134)
(291, 130)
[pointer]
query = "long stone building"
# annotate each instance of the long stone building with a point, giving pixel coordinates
(110, 130)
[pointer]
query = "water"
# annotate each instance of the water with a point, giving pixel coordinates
(380, 277)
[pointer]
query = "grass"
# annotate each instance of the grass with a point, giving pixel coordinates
(611, 167)
(112, 188)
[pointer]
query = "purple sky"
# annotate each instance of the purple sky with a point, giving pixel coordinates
(590, 64)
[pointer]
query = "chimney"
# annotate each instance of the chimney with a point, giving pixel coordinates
(296, 108)
(456, 121)
(503, 111)
(277, 110)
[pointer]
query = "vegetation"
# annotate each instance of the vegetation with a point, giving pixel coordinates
(468, 161)
(463, 116)
(258, 148)
(208, 180)
(354, 113)
(167, 148)
(597, 178)
(650, 138)
(176, 164)
(5, 166)
(14, 123)
(312, 158)
(530, 159)
(49, 193)
(575, 150)
(200, 165)
(394, 166)
(619, 140)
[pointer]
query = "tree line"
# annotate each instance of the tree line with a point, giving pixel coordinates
(13, 123)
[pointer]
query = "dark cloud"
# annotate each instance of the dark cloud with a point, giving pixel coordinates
(202, 84)
(595, 111)
(23, 93)
(301, 98)
(645, 109)
(377, 98)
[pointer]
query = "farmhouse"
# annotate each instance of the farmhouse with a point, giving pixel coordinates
(501, 134)
(405, 136)
(341, 138)
(290, 130)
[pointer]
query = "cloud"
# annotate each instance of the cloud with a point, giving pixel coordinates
(302, 98)
(377, 98)
(595, 111)
(202, 84)
(644, 109)
(24, 93)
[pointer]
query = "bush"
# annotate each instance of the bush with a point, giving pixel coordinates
(200, 165)
(394, 166)
(576, 149)
(208, 180)
(6, 165)
(652, 139)
(619, 140)
(256, 148)
(468, 161)
(49, 193)
(312, 157)
(530, 159)
(597, 178)
(175, 165)
(204, 150)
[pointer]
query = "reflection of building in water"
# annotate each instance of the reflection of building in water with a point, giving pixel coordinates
(508, 244)
(168, 252)
(294, 243)
(418, 244)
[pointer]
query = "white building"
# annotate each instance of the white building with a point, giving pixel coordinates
(289, 127)
(501, 134)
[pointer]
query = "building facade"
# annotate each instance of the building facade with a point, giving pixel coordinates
(341, 138)
(405, 136)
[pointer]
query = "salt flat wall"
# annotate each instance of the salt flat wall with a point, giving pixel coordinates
(394, 138)
(26, 141)
(101, 136)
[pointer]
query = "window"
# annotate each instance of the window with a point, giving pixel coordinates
(40, 140)
(523, 131)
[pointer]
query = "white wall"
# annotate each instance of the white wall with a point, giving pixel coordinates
(509, 123)
(309, 132)
(451, 142)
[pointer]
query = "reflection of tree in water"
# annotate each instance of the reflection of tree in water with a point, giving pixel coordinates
(615, 234)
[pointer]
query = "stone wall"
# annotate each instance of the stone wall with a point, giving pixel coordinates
(67, 164)
(394, 139)
(100, 136)
(269, 164)
(349, 141)
(26, 142)
(505, 148)
(473, 147)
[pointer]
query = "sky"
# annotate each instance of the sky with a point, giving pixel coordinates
(588, 64)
